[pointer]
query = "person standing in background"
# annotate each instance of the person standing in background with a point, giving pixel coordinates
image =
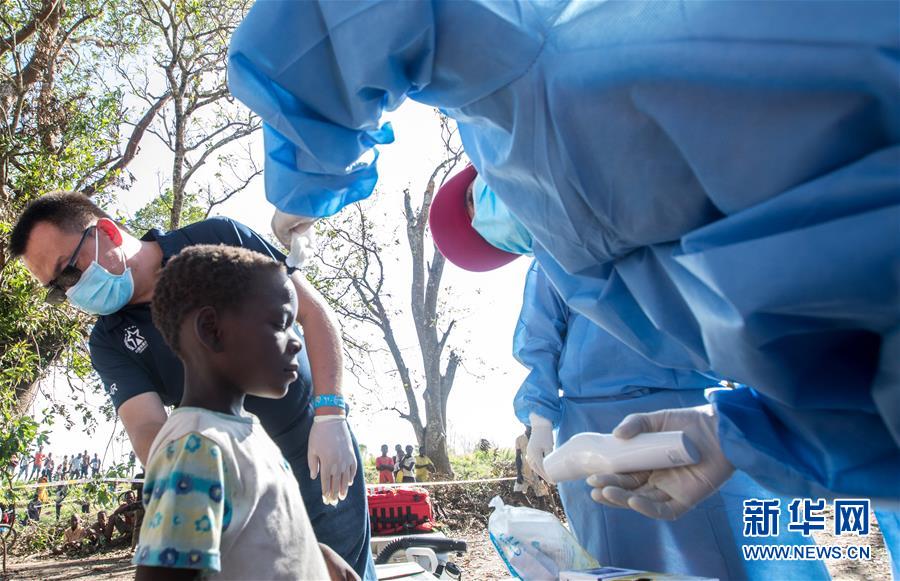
(385, 466)
(398, 457)
(48, 466)
(23, 466)
(63, 472)
(408, 466)
(38, 463)
(424, 466)
(75, 466)
(85, 464)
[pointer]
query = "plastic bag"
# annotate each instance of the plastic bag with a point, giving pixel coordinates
(534, 545)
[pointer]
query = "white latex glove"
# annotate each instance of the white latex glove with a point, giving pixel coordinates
(331, 453)
(670, 492)
(296, 233)
(540, 444)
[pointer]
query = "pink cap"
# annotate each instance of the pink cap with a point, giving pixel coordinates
(451, 228)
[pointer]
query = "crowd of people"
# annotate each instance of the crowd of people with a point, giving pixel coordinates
(709, 191)
(403, 466)
(42, 464)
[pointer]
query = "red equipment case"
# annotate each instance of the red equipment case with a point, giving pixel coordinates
(400, 510)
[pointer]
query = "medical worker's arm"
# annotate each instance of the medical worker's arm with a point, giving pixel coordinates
(321, 74)
(667, 494)
(131, 390)
(537, 344)
(808, 452)
(330, 452)
(143, 416)
(810, 321)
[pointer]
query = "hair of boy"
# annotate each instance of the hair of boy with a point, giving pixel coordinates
(205, 275)
(69, 211)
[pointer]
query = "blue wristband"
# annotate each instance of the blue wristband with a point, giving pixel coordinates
(329, 400)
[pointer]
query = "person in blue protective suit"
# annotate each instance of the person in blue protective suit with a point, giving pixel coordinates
(474, 229)
(714, 183)
(601, 380)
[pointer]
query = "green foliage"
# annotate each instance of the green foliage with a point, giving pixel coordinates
(33, 335)
(157, 213)
(492, 464)
(43, 535)
(60, 126)
(496, 463)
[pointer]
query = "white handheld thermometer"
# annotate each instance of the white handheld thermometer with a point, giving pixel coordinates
(592, 453)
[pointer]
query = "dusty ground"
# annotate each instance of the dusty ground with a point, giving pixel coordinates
(111, 565)
(481, 562)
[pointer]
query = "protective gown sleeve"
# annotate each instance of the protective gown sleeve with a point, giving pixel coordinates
(320, 75)
(538, 342)
(810, 320)
(796, 297)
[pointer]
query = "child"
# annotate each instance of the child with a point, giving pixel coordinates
(220, 498)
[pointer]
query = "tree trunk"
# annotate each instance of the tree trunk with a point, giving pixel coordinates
(436, 447)
(178, 167)
(25, 395)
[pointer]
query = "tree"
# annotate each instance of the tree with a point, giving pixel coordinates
(351, 275)
(200, 119)
(157, 213)
(60, 128)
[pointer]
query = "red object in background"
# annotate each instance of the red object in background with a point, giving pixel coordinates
(400, 510)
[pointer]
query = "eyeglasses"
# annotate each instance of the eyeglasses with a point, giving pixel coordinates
(56, 288)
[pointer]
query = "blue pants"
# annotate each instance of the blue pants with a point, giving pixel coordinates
(888, 517)
(705, 541)
(345, 527)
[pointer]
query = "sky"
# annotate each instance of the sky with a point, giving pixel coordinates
(480, 405)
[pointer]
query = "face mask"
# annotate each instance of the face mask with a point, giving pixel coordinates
(99, 292)
(495, 222)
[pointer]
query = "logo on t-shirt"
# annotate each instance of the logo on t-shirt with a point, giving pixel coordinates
(134, 341)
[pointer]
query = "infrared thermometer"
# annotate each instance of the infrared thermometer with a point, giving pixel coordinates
(592, 453)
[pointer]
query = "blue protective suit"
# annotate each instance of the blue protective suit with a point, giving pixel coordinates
(584, 380)
(714, 183)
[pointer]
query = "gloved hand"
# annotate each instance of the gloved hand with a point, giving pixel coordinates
(539, 444)
(670, 492)
(331, 453)
(296, 233)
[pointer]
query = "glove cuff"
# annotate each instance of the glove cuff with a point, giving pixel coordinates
(329, 419)
(537, 421)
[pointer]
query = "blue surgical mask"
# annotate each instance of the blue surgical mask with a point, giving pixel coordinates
(100, 292)
(495, 222)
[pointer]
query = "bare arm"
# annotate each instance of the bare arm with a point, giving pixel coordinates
(143, 416)
(323, 341)
(338, 569)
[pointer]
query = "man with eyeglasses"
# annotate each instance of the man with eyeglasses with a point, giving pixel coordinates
(82, 256)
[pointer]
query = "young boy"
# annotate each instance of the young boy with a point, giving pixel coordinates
(220, 498)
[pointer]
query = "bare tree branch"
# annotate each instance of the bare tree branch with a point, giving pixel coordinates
(351, 258)
(131, 148)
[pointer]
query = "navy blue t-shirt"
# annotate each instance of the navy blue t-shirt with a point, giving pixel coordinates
(131, 357)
